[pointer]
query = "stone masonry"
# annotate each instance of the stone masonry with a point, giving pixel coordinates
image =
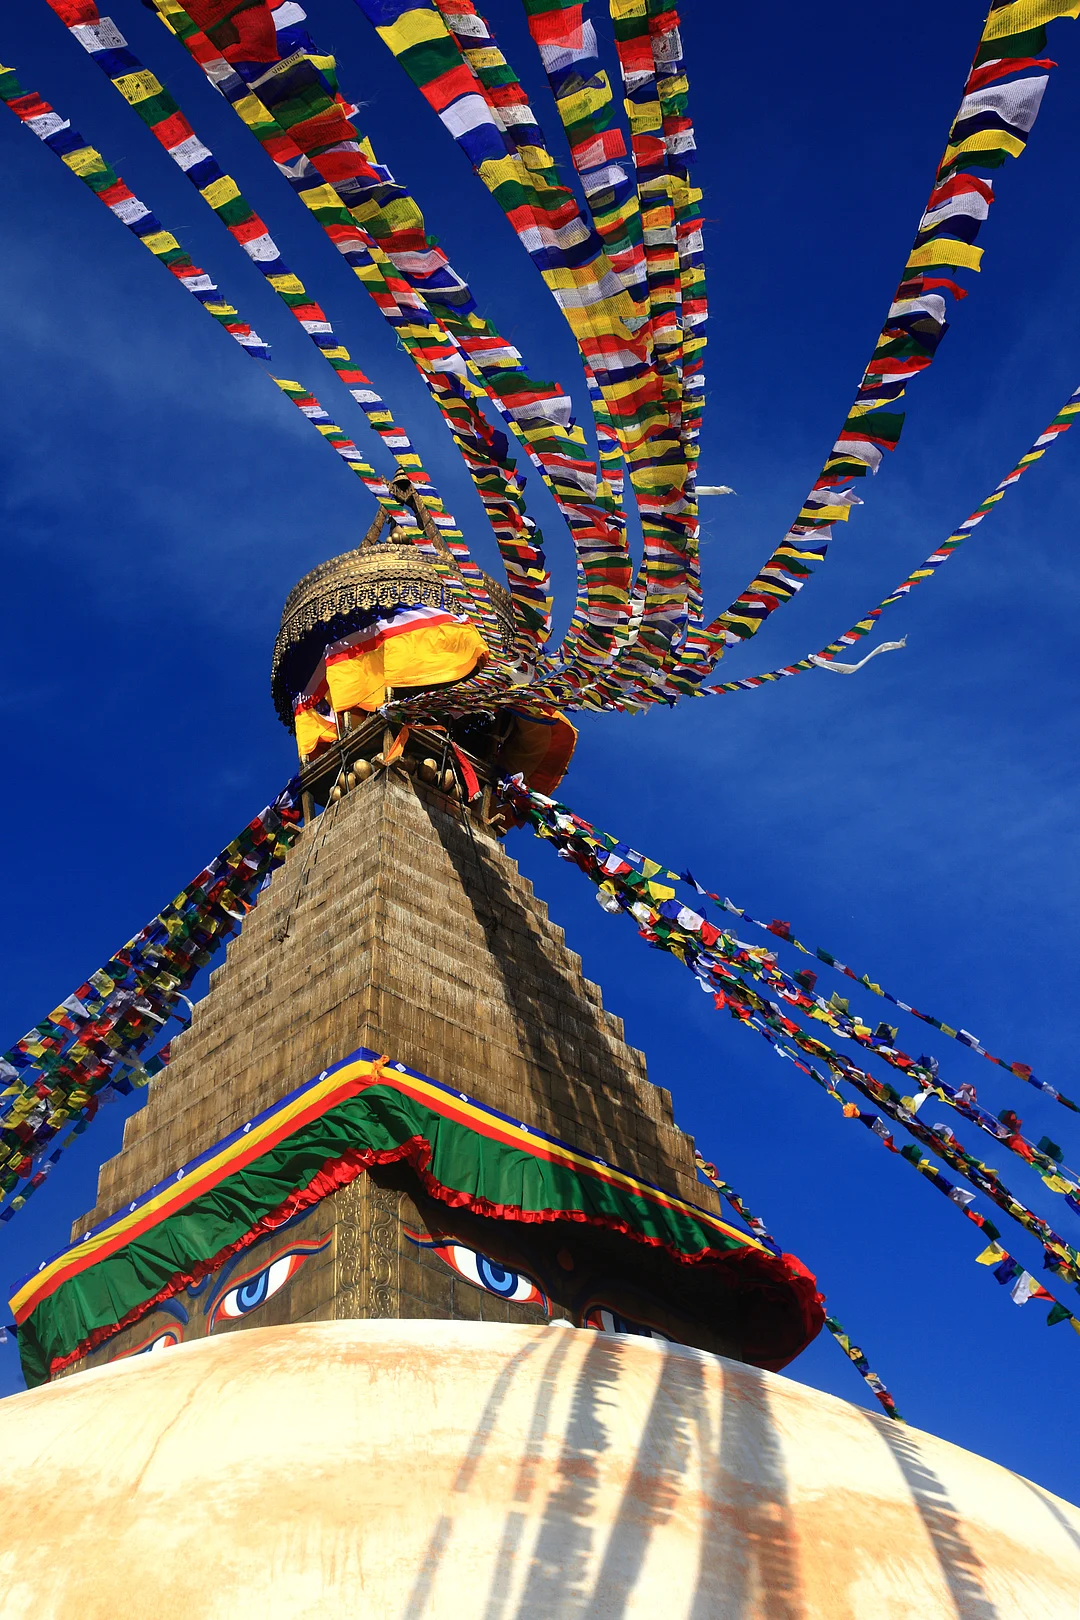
(394, 926)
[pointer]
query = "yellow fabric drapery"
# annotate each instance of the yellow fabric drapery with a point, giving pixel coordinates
(540, 747)
(418, 647)
(312, 730)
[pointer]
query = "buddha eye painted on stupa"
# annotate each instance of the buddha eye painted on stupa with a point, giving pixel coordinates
(245, 1284)
(529, 1277)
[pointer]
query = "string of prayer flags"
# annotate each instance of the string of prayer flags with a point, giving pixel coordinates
(558, 450)
(91, 1047)
(288, 98)
(1050, 435)
(648, 44)
(378, 226)
(799, 992)
(635, 217)
(578, 842)
(1024, 1286)
(1000, 103)
(782, 930)
(760, 1231)
(602, 599)
(142, 90)
(434, 314)
(571, 258)
(566, 41)
(1009, 1269)
(715, 961)
(88, 165)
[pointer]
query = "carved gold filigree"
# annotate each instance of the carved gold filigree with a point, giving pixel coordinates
(367, 1236)
(379, 573)
(384, 1287)
(350, 1249)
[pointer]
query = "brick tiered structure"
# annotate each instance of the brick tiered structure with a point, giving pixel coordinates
(394, 926)
(398, 923)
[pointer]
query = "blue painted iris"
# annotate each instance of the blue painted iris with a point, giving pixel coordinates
(606, 1321)
(497, 1279)
(483, 1272)
(249, 1292)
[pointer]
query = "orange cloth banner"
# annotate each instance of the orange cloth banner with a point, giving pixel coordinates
(418, 647)
(312, 730)
(540, 747)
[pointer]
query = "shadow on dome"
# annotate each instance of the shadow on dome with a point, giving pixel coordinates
(961, 1565)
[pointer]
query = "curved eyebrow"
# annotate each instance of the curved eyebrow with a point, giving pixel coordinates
(306, 1246)
(230, 1265)
(221, 1279)
(173, 1307)
(426, 1242)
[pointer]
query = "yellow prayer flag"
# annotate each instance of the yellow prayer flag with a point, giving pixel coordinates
(221, 191)
(251, 110)
(986, 140)
(320, 197)
(1025, 14)
(136, 87)
(413, 28)
(990, 1256)
(944, 250)
(160, 242)
(85, 161)
(826, 514)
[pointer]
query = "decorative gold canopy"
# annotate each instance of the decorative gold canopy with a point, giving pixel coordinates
(380, 572)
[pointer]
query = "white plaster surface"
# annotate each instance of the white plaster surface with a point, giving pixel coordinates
(444, 1470)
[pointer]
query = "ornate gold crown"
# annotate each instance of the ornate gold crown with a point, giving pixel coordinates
(378, 573)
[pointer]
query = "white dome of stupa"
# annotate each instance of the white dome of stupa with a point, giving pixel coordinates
(446, 1470)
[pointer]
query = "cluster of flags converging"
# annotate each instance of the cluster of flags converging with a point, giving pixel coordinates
(618, 246)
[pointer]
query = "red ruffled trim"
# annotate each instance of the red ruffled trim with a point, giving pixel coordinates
(785, 1280)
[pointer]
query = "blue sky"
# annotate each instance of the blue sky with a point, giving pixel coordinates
(159, 498)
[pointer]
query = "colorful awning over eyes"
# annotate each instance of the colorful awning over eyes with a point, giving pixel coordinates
(368, 1111)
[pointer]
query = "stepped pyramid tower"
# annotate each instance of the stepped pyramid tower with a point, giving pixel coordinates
(399, 926)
